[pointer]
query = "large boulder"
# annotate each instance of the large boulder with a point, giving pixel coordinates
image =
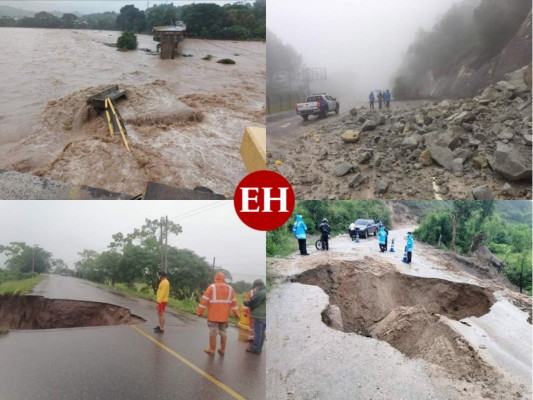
(517, 80)
(369, 125)
(381, 187)
(350, 136)
(342, 169)
(512, 161)
(380, 119)
(449, 139)
(504, 85)
(442, 156)
(364, 157)
(409, 143)
(482, 193)
(358, 180)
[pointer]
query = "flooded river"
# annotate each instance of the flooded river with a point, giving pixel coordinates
(185, 117)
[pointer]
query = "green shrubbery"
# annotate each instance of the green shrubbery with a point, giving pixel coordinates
(226, 61)
(128, 41)
(480, 223)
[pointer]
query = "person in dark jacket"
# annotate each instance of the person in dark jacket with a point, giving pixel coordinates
(380, 99)
(386, 97)
(257, 305)
(325, 229)
(371, 99)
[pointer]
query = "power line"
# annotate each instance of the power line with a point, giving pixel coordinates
(199, 211)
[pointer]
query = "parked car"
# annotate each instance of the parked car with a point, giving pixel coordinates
(317, 104)
(365, 227)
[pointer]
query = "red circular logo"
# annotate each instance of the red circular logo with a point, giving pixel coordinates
(264, 200)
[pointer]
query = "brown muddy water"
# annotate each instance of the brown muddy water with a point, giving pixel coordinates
(185, 117)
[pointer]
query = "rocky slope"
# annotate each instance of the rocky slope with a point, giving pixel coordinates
(465, 80)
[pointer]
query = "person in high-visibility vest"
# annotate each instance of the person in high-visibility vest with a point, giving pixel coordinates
(219, 299)
(161, 300)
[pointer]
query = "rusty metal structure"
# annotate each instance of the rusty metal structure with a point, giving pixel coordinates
(169, 38)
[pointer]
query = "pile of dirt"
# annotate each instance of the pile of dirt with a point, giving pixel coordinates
(408, 312)
(37, 312)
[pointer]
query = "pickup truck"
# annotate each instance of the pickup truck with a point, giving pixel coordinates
(317, 104)
(365, 227)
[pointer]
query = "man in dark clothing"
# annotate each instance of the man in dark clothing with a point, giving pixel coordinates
(324, 230)
(371, 99)
(380, 99)
(386, 97)
(258, 306)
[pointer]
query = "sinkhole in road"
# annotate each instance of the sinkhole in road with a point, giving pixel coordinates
(37, 312)
(408, 312)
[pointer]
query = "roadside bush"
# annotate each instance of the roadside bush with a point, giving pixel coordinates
(128, 41)
(226, 61)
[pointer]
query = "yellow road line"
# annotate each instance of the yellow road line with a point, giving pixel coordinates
(210, 378)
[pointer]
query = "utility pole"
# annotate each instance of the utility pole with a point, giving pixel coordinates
(214, 258)
(162, 265)
(166, 242)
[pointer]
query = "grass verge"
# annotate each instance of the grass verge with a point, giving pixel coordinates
(23, 286)
(186, 306)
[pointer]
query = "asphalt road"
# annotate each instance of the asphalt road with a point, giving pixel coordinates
(124, 362)
(309, 360)
(288, 125)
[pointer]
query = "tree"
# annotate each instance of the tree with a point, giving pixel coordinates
(236, 32)
(462, 211)
(109, 263)
(131, 19)
(88, 267)
(162, 14)
(197, 16)
(188, 273)
(127, 40)
(59, 267)
(46, 20)
(68, 20)
(24, 258)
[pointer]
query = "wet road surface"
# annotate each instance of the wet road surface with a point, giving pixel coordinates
(124, 362)
(353, 366)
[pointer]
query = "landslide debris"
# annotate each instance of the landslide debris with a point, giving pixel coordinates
(476, 148)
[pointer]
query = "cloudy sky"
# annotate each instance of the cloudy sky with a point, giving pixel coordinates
(65, 228)
(361, 43)
(91, 6)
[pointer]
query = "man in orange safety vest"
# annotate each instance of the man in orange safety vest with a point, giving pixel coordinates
(219, 299)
